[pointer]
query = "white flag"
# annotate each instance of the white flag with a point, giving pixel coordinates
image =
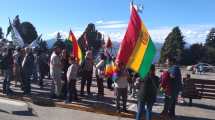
(16, 36)
(139, 7)
(35, 43)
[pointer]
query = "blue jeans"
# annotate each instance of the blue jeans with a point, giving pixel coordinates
(141, 108)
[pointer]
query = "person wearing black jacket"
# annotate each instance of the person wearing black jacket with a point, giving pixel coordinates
(8, 71)
(147, 94)
(27, 65)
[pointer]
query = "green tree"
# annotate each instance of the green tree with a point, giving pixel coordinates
(28, 32)
(193, 55)
(210, 55)
(173, 46)
(210, 47)
(1, 33)
(43, 45)
(210, 40)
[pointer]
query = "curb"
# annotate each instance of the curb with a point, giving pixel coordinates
(41, 101)
(46, 102)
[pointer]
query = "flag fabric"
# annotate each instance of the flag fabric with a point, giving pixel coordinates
(110, 67)
(36, 42)
(16, 37)
(137, 49)
(76, 51)
(108, 43)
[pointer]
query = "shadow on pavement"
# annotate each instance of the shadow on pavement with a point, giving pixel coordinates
(191, 118)
(203, 106)
(3, 111)
(29, 112)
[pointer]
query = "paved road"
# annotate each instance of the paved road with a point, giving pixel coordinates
(18, 110)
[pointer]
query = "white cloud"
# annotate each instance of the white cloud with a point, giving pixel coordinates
(110, 24)
(191, 33)
(54, 34)
(64, 34)
(116, 30)
(159, 34)
(99, 22)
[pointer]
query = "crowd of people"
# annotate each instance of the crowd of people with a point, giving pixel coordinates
(64, 70)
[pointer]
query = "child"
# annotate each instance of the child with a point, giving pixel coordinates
(71, 80)
(121, 85)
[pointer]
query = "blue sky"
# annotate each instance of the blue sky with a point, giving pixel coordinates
(195, 17)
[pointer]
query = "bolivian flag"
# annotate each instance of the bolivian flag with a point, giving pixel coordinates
(137, 49)
(76, 51)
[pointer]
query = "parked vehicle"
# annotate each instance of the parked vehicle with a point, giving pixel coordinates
(202, 67)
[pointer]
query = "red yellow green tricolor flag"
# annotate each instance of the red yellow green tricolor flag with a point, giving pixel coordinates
(110, 68)
(76, 51)
(137, 49)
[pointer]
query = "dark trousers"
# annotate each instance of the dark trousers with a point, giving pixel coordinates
(71, 90)
(100, 86)
(42, 76)
(26, 83)
(173, 101)
(121, 95)
(64, 87)
(86, 76)
(6, 83)
(166, 105)
(109, 83)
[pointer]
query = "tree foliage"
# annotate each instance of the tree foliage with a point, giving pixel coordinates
(91, 39)
(43, 45)
(173, 46)
(210, 47)
(210, 40)
(1, 33)
(194, 54)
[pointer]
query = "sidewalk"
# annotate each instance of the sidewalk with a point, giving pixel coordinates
(40, 96)
(201, 110)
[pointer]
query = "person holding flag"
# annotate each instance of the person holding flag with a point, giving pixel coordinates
(136, 50)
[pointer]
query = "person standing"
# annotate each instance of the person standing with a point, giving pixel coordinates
(147, 94)
(121, 87)
(87, 72)
(27, 71)
(100, 74)
(165, 84)
(8, 71)
(71, 80)
(65, 65)
(176, 83)
(55, 72)
(17, 60)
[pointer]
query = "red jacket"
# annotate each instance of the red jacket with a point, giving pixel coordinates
(165, 82)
